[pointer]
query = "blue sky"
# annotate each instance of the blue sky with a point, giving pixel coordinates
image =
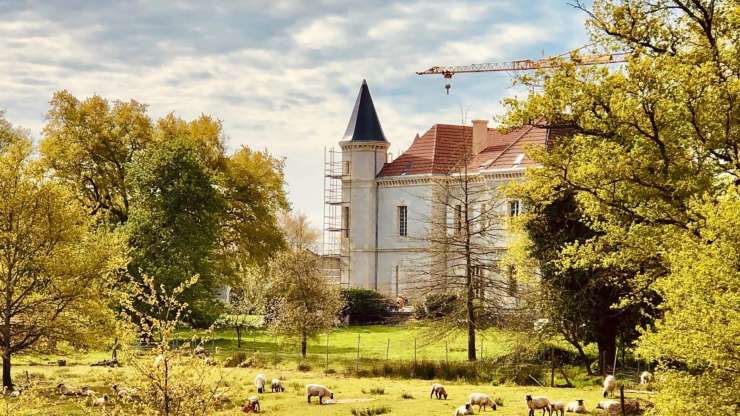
(280, 74)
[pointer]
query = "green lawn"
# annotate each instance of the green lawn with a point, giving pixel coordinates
(350, 392)
(375, 342)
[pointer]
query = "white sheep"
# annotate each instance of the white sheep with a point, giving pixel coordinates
(101, 401)
(251, 405)
(200, 351)
(85, 391)
(220, 397)
(318, 390)
(66, 391)
(466, 409)
(612, 407)
(159, 360)
(438, 391)
(277, 386)
(576, 407)
(482, 400)
(646, 377)
(12, 392)
(610, 384)
(125, 393)
(259, 382)
(557, 407)
(537, 403)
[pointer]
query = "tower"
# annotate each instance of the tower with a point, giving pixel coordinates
(364, 152)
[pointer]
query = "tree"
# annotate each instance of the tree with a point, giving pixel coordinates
(307, 303)
(462, 257)
(649, 138)
(174, 222)
(696, 340)
(299, 233)
(582, 303)
(53, 265)
(89, 145)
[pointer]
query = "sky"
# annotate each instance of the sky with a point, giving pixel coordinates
(281, 75)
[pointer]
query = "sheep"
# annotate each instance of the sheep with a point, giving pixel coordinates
(65, 391)
(318, 390)
(576, 407)
(12, 392)
(612, 407)
(259, 382)
(251, 405)
(220, 397)
(466, 409)
(200, 351)
(125, 393)
(482, 400)
(438, 391)
(537, 403)
(159, 360)
(102, 401)
(557, 407)
(276, 386)
(610, 384)
(85, 391)
(646, 377)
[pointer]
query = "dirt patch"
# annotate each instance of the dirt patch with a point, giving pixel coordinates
(349, 401)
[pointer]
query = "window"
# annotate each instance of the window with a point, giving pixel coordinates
(403, 218)
(518, 160)
(345, 222)
(458, 219)
(513, 208)
(345, 167)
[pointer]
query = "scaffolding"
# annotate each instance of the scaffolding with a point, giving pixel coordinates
(335, 235)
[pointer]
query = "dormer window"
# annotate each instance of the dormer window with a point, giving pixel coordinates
(518, 160)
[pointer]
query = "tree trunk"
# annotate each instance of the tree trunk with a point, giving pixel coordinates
(304, 344)
(238, 337)
(7, 381)
(582, 355)
(471, 318)
(606, 340)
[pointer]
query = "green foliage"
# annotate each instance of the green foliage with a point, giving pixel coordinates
(55, 268)
(696, 339)
(365, 306)
(371, 411)
(174, 222)
(375, 391)
(307, 304)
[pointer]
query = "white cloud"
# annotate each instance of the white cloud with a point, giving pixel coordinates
(327, 32)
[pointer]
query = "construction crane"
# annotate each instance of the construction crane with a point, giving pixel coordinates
(525, 65)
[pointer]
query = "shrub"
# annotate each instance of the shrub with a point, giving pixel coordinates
(235, 359)
(371, 411)
(378, 391)
(304, 366)
(407, 395)
(365, 306)
(436, 306)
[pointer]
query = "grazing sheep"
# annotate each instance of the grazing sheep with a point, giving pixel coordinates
(65, 391)
(537, 403)
(259, 382)
(610, 384)
(466, 409)
(576, 407)
(277, 386)
(482, 400)
(101, 401)
(557, 407)
(12, 392)
(200, 352)
(318, 390)
(251, 405)
(438, 391)
(646, 377)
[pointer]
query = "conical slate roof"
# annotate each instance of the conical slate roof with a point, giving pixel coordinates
(364, 124)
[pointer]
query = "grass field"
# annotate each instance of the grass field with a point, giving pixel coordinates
(350, 392)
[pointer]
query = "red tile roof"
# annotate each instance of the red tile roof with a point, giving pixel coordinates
(440, 149)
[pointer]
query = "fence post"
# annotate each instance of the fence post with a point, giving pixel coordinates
(327, 350)
(387, 349)
(414, 356)
(254, 340)
(357, 360)
(447, 355)
(621, 399)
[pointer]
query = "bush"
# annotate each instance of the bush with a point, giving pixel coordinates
(304, 366)
(436, 306)
(371, 411)
(365, 306)
(378, 391)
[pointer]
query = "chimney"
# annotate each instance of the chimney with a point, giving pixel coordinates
(480, 135)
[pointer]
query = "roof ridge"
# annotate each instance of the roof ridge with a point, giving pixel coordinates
(512, 144)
